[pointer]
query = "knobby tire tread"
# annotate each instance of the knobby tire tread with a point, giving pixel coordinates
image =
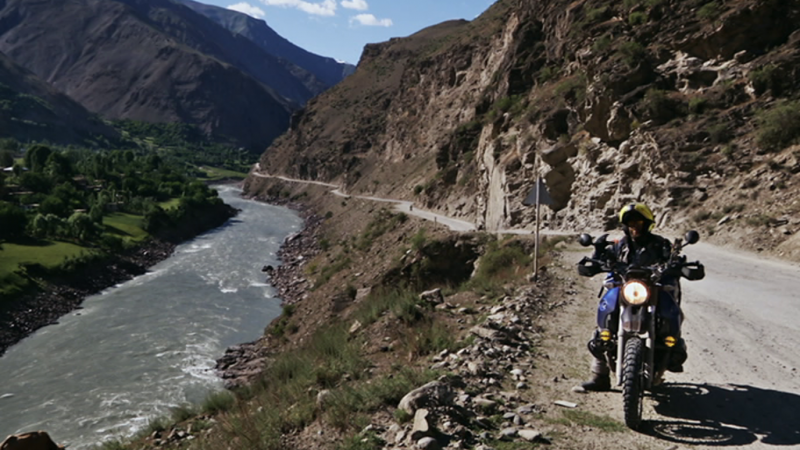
(632, 382)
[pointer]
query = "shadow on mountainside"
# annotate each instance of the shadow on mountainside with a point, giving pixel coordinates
(725, 415)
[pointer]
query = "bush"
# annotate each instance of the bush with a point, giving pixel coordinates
(637, 18)
(708, 11)
(658, 106)
(778, 127)
(632, 53)
(770, 78)
(697, 105)
(596, 14)
(573, 88)
(547, 73)
(602, 43)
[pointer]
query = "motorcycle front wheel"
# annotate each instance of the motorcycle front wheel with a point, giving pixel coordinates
(633, 382)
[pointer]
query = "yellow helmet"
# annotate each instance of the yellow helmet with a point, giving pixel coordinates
(637, 209)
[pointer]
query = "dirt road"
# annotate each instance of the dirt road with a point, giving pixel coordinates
(742, 380)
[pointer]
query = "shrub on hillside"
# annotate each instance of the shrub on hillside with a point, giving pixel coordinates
(777, 127)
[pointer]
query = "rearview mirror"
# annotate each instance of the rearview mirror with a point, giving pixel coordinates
(585, 240)
(691, 237)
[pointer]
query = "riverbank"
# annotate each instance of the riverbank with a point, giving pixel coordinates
(241, 363)
(60, 295)
(25, 315)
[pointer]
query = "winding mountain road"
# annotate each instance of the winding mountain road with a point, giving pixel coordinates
(741, 384)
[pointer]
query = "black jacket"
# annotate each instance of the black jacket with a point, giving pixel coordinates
(648, 249)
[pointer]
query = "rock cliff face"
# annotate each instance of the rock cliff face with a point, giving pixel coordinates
(677, 103)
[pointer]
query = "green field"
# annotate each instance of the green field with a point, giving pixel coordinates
(170, 204)
(127, 226)
(47, 253)
(213, 173)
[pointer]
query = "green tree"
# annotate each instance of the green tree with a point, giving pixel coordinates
(9, 144)
(36, 157)
(82, 226)
(55, 206)
(155, 219)
(46, 225)
(35, 182)
(6, 158)
(13, 221)
(58, 166)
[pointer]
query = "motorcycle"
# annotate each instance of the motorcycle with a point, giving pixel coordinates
(639, 317)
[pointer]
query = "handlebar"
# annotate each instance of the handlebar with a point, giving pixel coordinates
(604, 261)
(589, 267)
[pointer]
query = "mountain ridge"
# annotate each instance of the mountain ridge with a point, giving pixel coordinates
(35, 111)
(326, 69)
(157, 61)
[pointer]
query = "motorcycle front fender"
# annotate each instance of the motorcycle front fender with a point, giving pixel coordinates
(633, 319)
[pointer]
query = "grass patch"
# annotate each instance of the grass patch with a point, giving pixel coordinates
(340, 263)
(47, 254)
(215, 174)
(170, 204)
(500, 264)
(127, 225)
(218, 402)
(585, 418)
(283, 325)
(383, 222)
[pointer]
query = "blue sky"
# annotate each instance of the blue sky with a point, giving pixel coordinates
(340, 28)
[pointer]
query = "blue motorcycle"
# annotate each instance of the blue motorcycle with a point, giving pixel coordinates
(639, 318)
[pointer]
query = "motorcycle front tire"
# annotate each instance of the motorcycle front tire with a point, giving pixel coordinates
(633, 382)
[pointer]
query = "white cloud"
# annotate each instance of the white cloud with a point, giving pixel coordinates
(250, 10)
(370, 20)
(360, 5)
(324, 8)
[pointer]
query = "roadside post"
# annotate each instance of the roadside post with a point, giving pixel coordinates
(538, 196)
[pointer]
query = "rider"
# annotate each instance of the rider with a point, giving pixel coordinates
(639, 246)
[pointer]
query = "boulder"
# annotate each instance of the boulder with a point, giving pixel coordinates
(35, 440)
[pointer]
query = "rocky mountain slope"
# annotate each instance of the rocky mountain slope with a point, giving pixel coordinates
(157, 61)
(34, 110)
(687, 105)
(327, 70)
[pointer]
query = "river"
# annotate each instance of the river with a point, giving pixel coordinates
(140, 348)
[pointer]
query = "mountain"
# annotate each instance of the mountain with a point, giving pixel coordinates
(32, 110)
(157, 61)
(688, 106)
(327, 70)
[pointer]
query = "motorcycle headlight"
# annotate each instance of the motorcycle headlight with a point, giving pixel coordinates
(635, 293)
